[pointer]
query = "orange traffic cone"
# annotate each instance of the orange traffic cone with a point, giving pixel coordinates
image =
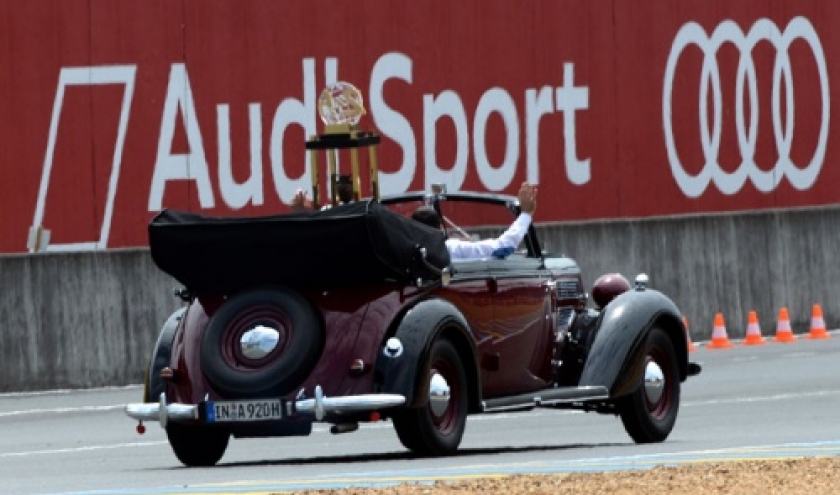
(783, 330)
(818, 330)
(691, 346)
(753, 336)
(719, 338)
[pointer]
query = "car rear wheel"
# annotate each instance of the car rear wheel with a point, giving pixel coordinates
(649, 412)
(261, 343)
(436, 428)
(197, 446)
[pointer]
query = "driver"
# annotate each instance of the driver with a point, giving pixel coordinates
(500, 247)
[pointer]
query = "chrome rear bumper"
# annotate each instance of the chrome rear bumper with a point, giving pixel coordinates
(319, 406)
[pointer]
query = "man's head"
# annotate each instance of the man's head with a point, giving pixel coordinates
(344, 189)
(427, 215)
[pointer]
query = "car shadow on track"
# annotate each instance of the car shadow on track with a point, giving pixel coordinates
(402, 456)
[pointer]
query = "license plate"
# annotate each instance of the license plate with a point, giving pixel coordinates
(245, 410)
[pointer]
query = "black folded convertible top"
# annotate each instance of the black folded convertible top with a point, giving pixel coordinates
(356, 243)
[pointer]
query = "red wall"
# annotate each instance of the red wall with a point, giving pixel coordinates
(571, 94)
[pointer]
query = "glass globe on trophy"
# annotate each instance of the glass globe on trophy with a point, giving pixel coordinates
(341, 104)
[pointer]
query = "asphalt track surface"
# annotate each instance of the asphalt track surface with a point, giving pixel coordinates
(750, 402)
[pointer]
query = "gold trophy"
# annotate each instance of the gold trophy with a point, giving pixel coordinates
(341, 107)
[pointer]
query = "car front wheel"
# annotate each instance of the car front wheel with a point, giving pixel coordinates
(436, 428)
(649, 413)
(197, 446)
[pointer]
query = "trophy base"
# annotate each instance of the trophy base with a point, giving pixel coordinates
(335, 138)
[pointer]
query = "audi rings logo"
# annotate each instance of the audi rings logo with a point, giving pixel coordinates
(764, 180)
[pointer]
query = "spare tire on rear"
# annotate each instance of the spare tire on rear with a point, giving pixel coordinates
(264, 370)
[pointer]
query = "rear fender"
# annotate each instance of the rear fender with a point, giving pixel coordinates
(615, 360)
(419, 327)
(161, 356)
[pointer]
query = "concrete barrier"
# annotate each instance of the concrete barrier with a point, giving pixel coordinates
(91, 319)
(80, 320)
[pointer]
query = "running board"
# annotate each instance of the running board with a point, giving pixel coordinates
(546, 397)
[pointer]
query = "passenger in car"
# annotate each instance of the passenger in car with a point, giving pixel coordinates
(500, 247)
(344, 192)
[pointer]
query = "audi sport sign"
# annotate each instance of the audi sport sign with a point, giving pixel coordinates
(111, 111)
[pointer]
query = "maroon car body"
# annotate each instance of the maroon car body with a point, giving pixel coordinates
(289, 339)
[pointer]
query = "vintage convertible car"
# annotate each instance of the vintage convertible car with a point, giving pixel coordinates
(357, 314)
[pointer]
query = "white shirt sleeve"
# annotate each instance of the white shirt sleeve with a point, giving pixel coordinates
(501, 246)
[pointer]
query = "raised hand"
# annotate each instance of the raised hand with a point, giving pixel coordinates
(300, 202)
(528, 198)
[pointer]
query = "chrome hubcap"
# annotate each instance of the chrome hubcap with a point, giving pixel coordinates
(654, 382)
(259, 341)
(438, 394)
